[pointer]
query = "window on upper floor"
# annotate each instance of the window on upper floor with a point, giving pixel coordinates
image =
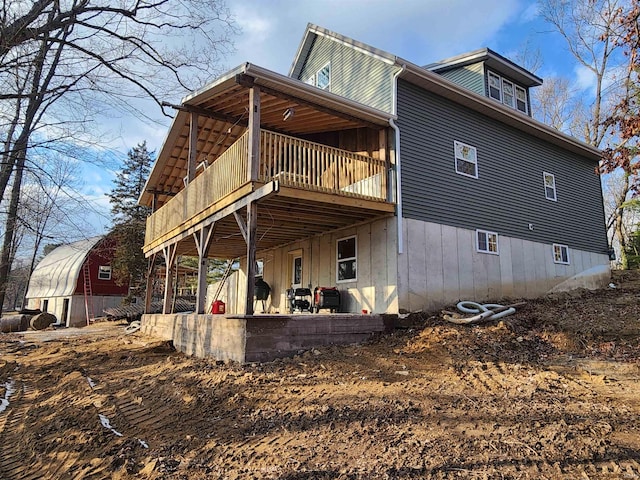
(549, 186)
(507, 92)
(311, 80)
(486, 242)
(466, 159)
(560, 254)
(323, 77)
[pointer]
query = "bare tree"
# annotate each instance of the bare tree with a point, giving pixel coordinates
(592, 29)
(63, 62)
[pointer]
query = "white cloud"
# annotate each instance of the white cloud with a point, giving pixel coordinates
(584, 79)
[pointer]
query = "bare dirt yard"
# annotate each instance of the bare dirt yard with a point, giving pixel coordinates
(552, 392)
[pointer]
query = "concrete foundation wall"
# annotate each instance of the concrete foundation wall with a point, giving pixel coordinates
(374, 290)
(262, 337)
(440, 266)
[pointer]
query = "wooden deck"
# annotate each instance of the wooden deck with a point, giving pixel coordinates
(315, 184)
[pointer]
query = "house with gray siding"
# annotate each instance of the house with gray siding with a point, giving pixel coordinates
(489, 202)
(405, 187)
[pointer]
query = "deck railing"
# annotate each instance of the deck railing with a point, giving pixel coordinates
(291, 161)
(314, 166)
(227, 174)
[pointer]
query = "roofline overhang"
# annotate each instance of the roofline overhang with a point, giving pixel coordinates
(480, 55)
(435, 83)
(431, 81)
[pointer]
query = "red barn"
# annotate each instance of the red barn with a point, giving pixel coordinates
(75, 283)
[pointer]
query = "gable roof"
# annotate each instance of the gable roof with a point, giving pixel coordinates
(432, 81)
(57, 273)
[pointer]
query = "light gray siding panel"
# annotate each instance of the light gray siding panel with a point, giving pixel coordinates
(354, 75)
(509, 193)
(470, 77)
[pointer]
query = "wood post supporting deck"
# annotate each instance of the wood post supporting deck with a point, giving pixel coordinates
(202, 239)
(193, 147)
(169, 252)
(149, 291)
(252, 227)
(253, 165)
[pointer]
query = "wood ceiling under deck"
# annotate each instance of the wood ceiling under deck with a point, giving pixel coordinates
(222, 119)
(286, 217)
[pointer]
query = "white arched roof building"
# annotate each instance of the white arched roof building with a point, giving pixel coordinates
(74, 281)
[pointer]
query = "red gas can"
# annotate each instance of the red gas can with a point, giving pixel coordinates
(217, 307)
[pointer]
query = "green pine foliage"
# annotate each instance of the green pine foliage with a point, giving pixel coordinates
(129, 264)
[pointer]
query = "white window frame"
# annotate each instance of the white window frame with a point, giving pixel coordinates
(104, 272)
(259, 267)
(498, 86)
(486, 248)
(507, 83)
(311, 80)
(347, 259)
(500, 82)
(552, 187)
(557, 252)
(522, 90)
(326, 66)
(459, 154)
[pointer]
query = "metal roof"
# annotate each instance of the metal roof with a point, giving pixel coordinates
(57, 274)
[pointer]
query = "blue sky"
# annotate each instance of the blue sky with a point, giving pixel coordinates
(421, 31)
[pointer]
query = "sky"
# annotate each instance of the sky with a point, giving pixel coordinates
(420, 31)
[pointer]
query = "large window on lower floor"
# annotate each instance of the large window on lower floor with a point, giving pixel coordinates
(347, 259)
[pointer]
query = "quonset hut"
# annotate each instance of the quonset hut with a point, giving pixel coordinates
(74, 282)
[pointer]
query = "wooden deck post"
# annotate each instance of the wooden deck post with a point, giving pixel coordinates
(252, 227)
(193, 145)
(253, 165)
(148, 294)
(169, 252)
(388, 195)
(203, 238)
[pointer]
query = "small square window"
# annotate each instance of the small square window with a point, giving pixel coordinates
(549, 186)
(323, 77)
(347, 258)
(259, 268)
(487, 242)
(104, 272)
(466, 159)
(560, 254)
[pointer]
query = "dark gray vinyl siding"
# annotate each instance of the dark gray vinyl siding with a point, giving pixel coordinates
(509, 193)
(354, 74)
(470, 77)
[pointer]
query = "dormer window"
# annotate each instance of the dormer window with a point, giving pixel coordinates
(507, 92)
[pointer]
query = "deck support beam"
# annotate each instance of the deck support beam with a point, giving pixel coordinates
(253, 165)
(252, 228)
(202, 238)
(169, 252)
(148, 294)
(193, 147)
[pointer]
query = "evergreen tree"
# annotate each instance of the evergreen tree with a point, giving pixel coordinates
(129, 264)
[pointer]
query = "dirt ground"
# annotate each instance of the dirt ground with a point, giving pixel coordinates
(552, 392)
